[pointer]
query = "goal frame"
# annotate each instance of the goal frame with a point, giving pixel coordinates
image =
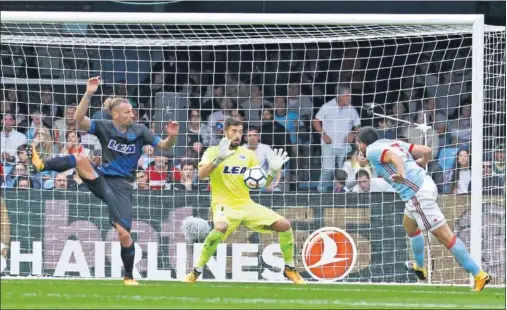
(474, 20)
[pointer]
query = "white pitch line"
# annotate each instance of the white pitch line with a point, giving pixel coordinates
(250, 301)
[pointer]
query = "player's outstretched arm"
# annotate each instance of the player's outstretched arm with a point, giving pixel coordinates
(423, 154)
(82, 120)
(172, 132)
(276, 160)
(391, 158)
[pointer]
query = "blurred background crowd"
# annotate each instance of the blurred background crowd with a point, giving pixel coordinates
(306, 98)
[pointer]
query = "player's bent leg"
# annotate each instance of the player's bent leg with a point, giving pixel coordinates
(85, 168)
(128, 253)
(286, 240)
(209, 248)
(59, 164)
(458, 249)
(417, 246)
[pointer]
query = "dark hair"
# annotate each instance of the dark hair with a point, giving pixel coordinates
(340, 175)
(23, 178)
(188, 162)
(367, 135)
(457, 168)
(254, 128)
(362, 173)
(21, 148)
(232, 122)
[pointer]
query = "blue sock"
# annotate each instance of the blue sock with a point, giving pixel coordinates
(460, 252)
(417, 243)
(60, 164)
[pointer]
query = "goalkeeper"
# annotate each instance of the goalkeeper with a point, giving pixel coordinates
(112, 182)
(231, 204)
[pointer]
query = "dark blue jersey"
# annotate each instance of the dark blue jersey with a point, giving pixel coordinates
(121, 151)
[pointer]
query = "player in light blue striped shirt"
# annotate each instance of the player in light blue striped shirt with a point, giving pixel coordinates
(401, 165)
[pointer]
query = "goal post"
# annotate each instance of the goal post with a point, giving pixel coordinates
(390, 48)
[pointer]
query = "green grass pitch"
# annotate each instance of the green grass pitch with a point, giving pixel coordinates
(106, 294)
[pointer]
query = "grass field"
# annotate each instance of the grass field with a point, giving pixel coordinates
(54, 294)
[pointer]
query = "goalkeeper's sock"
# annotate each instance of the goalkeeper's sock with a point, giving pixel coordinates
(460, 252)
(210, 246)
(127, 256)
(417, 243)
(287, 246)
(59, 164)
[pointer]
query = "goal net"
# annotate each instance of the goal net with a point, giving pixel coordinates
(281, 80)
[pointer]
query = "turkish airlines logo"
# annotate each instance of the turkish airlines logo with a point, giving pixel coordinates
(329, 254)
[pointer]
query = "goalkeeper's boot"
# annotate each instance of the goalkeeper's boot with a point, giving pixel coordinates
(292, 274)
(420, 272)
(481, 280)
(37, 163)
(129, 281)
(192, 276)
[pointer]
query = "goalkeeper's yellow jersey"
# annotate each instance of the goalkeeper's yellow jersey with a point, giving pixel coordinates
(227, 185)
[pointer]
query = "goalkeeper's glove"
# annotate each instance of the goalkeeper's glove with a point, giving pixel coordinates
(223, 151)
(276, 160)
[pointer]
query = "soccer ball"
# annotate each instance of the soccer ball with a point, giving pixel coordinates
(255, 178)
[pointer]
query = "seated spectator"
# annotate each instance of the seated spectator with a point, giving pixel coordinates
(492, 184)
(461, 129)
(121, 90)
(365, 184)
(73, 145)
(22, 154)
(262, 151)
(272, 133)
(254, 105)
(47, 149)
(399, 111)
(299, 103)
(158, 173)
(10, 140)
(499, 161)
(61, 126)
(196, 129)
(142, 182)
(385, 129)
(211, 101)
(19, 171)
(462, 174)
(416, 136)
(355, 162)
(153, 84)
(287, 118)
(146, 158)
(437, 119)
(35, 124)
(187, 182)
(95, 157)
(216, 122)
(24, 183)
(61, 181)
(340, 178)
(50, 108)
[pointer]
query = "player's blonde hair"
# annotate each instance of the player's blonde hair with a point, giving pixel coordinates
(112, 103)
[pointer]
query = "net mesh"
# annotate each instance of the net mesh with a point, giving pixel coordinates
(277, 79)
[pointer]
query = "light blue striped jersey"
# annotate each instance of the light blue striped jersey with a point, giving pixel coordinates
(414, 174)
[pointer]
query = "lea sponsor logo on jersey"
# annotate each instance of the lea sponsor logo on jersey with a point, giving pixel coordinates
(234, 169)
(329, 254)
(122, 148)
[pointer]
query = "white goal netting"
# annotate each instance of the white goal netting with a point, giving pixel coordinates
(284, 82)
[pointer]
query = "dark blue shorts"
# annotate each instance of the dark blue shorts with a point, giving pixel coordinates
(116, 193)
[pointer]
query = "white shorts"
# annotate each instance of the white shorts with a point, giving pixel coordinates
(423, 207)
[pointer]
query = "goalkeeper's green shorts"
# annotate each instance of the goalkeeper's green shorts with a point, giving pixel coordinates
(254, 216)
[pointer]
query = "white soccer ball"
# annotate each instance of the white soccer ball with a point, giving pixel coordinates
(255, 178)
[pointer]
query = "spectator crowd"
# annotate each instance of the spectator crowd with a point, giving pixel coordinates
(309, 101)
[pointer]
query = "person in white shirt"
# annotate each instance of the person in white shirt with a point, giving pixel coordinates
(365, 184)
(262, 151)
(10, 139)
(337, 121)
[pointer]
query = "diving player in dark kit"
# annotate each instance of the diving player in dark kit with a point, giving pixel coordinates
(112, 182)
